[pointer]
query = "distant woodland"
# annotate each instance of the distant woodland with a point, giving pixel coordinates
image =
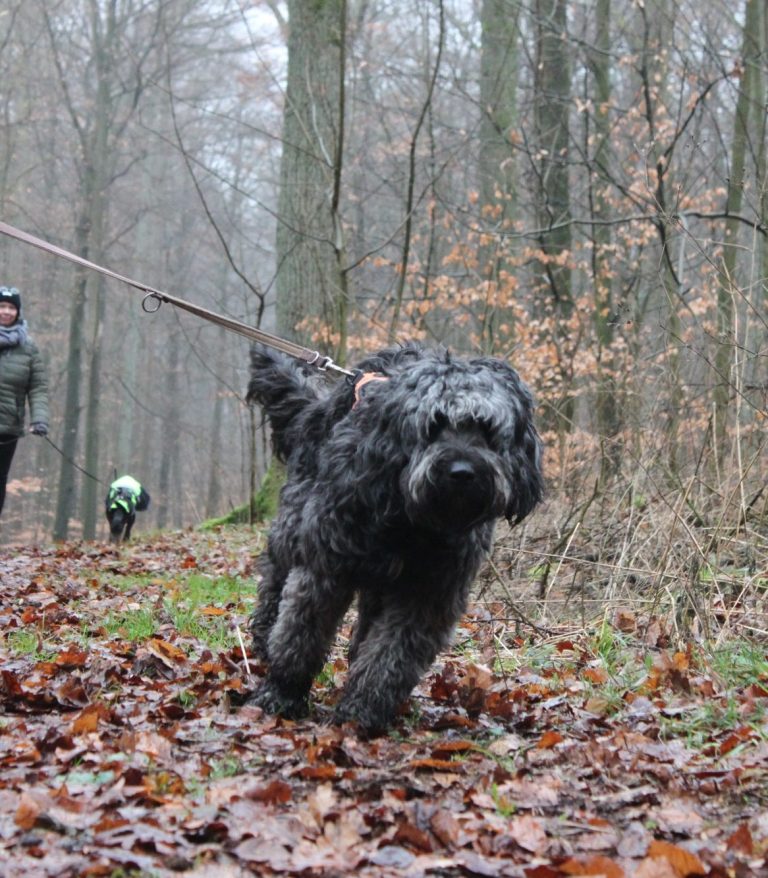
(580, 188)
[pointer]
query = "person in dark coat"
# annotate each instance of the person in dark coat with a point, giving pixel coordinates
(23, 379)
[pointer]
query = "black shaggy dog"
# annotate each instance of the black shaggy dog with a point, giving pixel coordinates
(392, 494)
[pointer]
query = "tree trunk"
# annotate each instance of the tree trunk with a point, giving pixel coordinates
(213, 493)
(658, 33)
(94, 182)
(311, 283)
(66, 496)
(552, 84)
(762, 173)
(607, 408)
(91, 506)
(729, 286)
(552, 98)
(169, 493)
(497, 167)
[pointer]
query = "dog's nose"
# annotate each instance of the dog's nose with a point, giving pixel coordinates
(461, 471)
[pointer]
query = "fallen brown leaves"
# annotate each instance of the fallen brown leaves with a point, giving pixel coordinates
(123, 757)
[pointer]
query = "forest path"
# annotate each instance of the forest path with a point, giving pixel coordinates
(123, 751)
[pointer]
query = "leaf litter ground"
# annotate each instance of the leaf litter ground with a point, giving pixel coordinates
(125, 747)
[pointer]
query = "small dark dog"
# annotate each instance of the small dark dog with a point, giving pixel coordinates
(125, 498)
(392, 493)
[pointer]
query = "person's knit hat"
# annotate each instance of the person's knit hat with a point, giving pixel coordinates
(12, 295)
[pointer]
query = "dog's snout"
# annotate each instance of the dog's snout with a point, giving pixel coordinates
(461, 471)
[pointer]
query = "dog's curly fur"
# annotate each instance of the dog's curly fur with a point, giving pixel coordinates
(393, 498)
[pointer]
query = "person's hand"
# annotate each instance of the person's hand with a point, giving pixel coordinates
(39, 428)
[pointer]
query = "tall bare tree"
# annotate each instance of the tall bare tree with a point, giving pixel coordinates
(497, 165)
(100, 92)
(599, 65)
(552, 93)
(747, 112)
(311, 282)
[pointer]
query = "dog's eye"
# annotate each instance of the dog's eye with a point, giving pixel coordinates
(436, 426)
(486, 428)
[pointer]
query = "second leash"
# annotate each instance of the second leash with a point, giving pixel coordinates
(74, 463)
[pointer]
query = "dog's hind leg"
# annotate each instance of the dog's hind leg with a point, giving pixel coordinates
(400, 645)
(309, 614)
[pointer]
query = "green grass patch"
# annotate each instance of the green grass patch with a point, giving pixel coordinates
(504, 806)
(131, 581)
(741, 663)
(203, 606)
(187, 699)
(28, 642)
(222, 591)
(199, 606)
(227, 766)
(537, 657)
(213, 631)
(704, 721)
(134, 625)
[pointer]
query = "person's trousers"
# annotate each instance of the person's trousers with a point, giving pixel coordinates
(7, 450)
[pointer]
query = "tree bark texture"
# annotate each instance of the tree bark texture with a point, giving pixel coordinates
(311, 294)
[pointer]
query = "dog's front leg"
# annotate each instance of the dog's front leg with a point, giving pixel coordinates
(265, 615)
(399, 646)
(369, 608)
(311, 609)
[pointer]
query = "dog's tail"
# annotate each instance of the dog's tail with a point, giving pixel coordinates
(286, 389)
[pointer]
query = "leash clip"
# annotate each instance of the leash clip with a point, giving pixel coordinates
(151, 297)
(320, 362)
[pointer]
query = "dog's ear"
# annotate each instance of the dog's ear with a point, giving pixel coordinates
(524, 449)
(528, 483)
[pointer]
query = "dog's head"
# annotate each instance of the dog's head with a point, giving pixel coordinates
(462, 433)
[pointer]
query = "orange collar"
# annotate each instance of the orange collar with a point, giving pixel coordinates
(364, 379)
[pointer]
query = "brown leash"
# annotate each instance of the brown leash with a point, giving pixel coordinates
(158, 297)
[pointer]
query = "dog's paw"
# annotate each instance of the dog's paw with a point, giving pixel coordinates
(273, 699)
(369, 720)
